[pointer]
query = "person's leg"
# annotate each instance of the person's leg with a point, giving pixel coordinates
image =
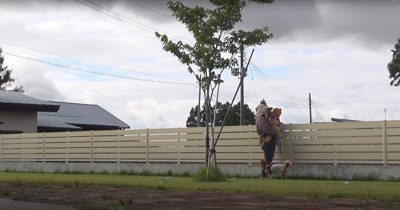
(269, 151)
(269, 156)
(263, 174)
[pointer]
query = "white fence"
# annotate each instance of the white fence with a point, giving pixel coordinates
(373, 143)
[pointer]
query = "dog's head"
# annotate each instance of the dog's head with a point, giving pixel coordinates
(276, 112)
(262, 163)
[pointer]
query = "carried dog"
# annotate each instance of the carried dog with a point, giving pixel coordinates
(275, 122)
(280, 169)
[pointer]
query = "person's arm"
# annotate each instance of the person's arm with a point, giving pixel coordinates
(263, 127)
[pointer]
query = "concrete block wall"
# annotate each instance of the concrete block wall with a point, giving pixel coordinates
(341, 172)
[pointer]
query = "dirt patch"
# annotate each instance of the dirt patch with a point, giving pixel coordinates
(105, 197)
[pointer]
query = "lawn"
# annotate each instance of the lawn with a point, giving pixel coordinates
(386, 192)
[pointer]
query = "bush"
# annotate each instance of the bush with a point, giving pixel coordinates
(214, 175)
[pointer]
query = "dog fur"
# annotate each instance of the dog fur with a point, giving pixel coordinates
(280, 169)
(274, 122)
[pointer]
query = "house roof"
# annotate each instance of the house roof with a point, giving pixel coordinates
(75, 116)
(10, 100)
(342, 120)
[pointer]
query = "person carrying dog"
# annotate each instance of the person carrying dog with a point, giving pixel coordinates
(264, 129)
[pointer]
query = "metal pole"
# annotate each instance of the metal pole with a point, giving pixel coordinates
(198, 108)
(384, 151)
(309, 106)
(242, 84)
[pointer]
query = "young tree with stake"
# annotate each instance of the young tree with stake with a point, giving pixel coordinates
(217, 41)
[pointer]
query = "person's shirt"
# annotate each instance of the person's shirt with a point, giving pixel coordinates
(263, 127)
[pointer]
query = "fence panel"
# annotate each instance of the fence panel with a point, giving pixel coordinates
(376, 142)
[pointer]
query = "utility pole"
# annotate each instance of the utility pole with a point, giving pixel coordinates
(309, 106)
(242, 72)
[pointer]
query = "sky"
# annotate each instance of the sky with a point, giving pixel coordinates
(106, 53)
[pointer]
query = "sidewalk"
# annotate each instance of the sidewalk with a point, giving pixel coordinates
(8, 204)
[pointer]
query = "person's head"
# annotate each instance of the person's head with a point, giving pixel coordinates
(263, 109)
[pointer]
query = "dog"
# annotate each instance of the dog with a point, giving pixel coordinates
(280, 169)
(275, 123)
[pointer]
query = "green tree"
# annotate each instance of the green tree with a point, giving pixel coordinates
(233, 117)
(216, 43)
(5, 76)
(394, 65)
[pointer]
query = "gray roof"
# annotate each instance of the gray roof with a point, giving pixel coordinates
(11, 100)
(78, 116)
(343, 120)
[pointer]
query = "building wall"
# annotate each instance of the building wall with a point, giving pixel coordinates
(18, 121)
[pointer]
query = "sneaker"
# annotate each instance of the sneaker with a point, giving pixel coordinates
(263, 177)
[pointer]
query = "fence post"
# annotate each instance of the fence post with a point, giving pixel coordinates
(22, 151)
(147, 146)
(43, 147)
(67, 149)
(384, 143)
(91, 148)
(290, 139)
(118, 149)
(2, 145)
(179, 153)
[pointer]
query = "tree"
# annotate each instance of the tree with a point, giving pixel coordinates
(233, 117)
(216, 44)
(394, 65)
(5, 77)
(5, 74)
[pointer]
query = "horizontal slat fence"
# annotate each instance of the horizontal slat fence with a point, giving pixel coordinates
(376, 142)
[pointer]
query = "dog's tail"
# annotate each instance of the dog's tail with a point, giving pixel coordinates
(286, 164)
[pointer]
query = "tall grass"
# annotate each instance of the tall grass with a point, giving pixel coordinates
(315, 189)
(213, 175)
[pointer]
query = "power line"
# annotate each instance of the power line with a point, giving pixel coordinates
(275, 86)
(158, 4)
(122, 18)
(319, 116)
(71, 3)
(118, 68)
(254, 86)
(155, 11)
(94, 72)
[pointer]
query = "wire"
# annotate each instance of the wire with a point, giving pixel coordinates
(94, 72)
(319, 116)
(158, 4)
(254, 86)
(71, 58)
(281, 91)
(122, 18)
(71, 3)
(155, 11)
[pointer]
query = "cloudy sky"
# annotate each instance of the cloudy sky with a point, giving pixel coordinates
(105, 53)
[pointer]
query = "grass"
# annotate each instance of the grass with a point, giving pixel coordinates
(386, 192)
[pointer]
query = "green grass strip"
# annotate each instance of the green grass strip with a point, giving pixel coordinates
(386, 192)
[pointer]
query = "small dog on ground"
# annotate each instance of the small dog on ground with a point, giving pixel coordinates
(280, 169)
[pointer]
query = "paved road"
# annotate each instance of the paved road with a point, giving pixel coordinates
(8, 204)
